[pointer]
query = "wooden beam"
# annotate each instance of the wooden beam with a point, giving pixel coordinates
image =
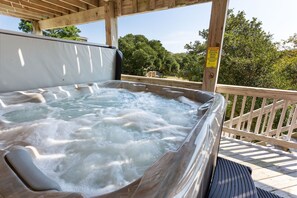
(171, 4)
(92, 3)
(135, 6)
(119, 7)
(60, 4)
(16, 15)
(127, 9)
(215, 43)
(32, 7)
(94, 14)
(49, 6)
(36, 28)
(152, 4)
(111, 27)
(76, 3)
(20, 11)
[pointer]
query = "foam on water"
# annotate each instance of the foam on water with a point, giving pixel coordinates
(97, 143)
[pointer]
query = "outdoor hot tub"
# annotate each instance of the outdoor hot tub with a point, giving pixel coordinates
(68, 120)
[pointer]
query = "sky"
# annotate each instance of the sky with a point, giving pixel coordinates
(179, 26)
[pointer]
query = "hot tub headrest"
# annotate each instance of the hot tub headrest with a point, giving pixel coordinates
(21, 163)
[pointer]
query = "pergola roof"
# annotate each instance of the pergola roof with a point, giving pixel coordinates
(60, 13)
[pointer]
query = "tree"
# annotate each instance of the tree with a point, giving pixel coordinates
(142, 55)
(69, 33)
(284, 75)
(248, 52)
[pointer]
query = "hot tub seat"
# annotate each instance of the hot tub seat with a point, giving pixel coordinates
(21, 163)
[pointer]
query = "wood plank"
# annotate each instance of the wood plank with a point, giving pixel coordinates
(36, 28)
(92, 3)
(48, 6)
(272, 116)
(241, 112)
(250, 118)
(281, 120)
(293, 123)
(152, 4)
(119, 7)
(171, 3)
(127, 9)
(258, 92)
(34, 8)
(75, 3)
(256, 112)
(290, 116)
(264, 123)
(63, 5)
(270, 140)
(16, 15)
(111, 26)
(233, 110)
(163, 81)
(215, 39)
(75, 18)
(20, 10)
(259, 119)
(135, 6)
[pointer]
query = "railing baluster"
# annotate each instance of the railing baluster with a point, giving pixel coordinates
(250, 120)
(233, 110)
(227, 98)
(293, 123)
(264, 123)
(271, 117)
(290, 116)
(281, 120)
(260, 116)
(241, 113)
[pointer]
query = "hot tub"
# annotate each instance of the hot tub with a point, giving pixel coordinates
(185, 168)
(38, 71)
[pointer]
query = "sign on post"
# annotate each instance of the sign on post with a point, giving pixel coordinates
(212, 57)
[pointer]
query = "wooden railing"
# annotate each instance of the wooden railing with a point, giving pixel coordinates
(253, 114)
(258, 114)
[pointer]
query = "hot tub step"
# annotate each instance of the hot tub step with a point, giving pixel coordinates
(232, 180)
(265, 194)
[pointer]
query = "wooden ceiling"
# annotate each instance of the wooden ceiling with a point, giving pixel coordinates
(59, 13)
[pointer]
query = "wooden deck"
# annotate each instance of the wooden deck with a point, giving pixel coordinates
(273, 170)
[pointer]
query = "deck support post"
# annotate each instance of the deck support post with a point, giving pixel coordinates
(214, 45)
(36, 28)
(111, 24)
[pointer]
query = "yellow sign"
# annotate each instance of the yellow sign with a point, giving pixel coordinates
(212, 57)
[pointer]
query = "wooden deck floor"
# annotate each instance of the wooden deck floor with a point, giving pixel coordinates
(273, 170)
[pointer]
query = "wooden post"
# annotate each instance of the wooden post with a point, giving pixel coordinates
(215, 43)
(36, 28)
(111, 27)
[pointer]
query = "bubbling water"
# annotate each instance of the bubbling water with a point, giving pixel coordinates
(97, 143)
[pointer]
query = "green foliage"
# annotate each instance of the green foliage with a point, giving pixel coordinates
(26, 26)
(192, 62)
(142, 55)
(284, 75)
(69, 33)
(247, 57)
(248, 52)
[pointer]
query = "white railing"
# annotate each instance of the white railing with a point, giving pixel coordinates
(259, 114)
(253, 114)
